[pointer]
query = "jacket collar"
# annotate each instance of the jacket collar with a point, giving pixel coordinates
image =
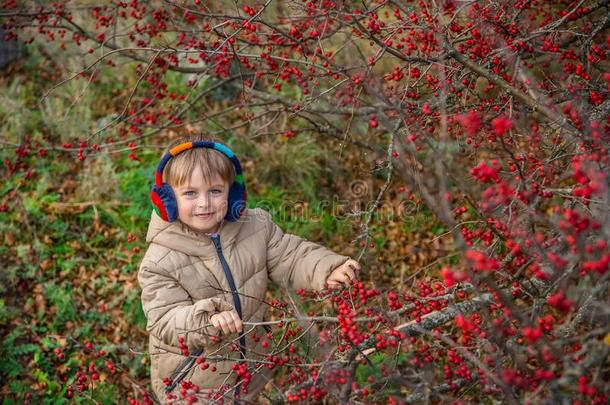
(177, 236)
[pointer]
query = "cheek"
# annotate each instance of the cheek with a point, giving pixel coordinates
(222, 200)
(183, 205)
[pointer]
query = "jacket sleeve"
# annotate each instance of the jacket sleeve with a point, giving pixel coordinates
(296, 262)
(170, 311)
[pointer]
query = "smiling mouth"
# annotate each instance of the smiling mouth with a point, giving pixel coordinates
(205, 215)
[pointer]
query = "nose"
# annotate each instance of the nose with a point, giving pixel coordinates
(203, 201)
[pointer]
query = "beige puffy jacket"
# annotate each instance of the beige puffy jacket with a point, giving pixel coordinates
(183, 284)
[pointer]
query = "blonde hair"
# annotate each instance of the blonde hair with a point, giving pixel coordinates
(212, 163)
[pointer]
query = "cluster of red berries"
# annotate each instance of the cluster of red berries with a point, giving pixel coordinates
(146, 400)
(188, 392)
(314, 393)
(348, 302)
(183, 347)
(59, 353)
(590, 391)
(244, 376)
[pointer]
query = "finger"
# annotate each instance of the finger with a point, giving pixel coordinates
(228, 328)
(225, 324)
(354, 265)
(333, 284)
(237, 322)
(350, 274)
(214, 322)
(353, 273)
(217, 323)
(231, 322)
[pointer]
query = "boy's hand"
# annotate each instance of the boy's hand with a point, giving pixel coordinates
(227, 322)
(347, 273)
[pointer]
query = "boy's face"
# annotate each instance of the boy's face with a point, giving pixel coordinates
(202, 202)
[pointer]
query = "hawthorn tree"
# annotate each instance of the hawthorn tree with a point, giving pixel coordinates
(492, 114)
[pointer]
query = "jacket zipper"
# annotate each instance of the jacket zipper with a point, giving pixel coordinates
(182, 370)
(225, 267)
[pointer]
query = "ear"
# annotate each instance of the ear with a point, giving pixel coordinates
(164, 201)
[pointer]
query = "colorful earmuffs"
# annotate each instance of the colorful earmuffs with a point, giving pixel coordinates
(164, 199)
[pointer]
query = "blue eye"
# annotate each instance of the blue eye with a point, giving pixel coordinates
(189, 193)
(216, 191)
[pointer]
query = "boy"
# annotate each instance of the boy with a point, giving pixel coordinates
(206, 272)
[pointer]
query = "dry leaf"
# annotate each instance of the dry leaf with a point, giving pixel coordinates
(9, 240)
(45, 265)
